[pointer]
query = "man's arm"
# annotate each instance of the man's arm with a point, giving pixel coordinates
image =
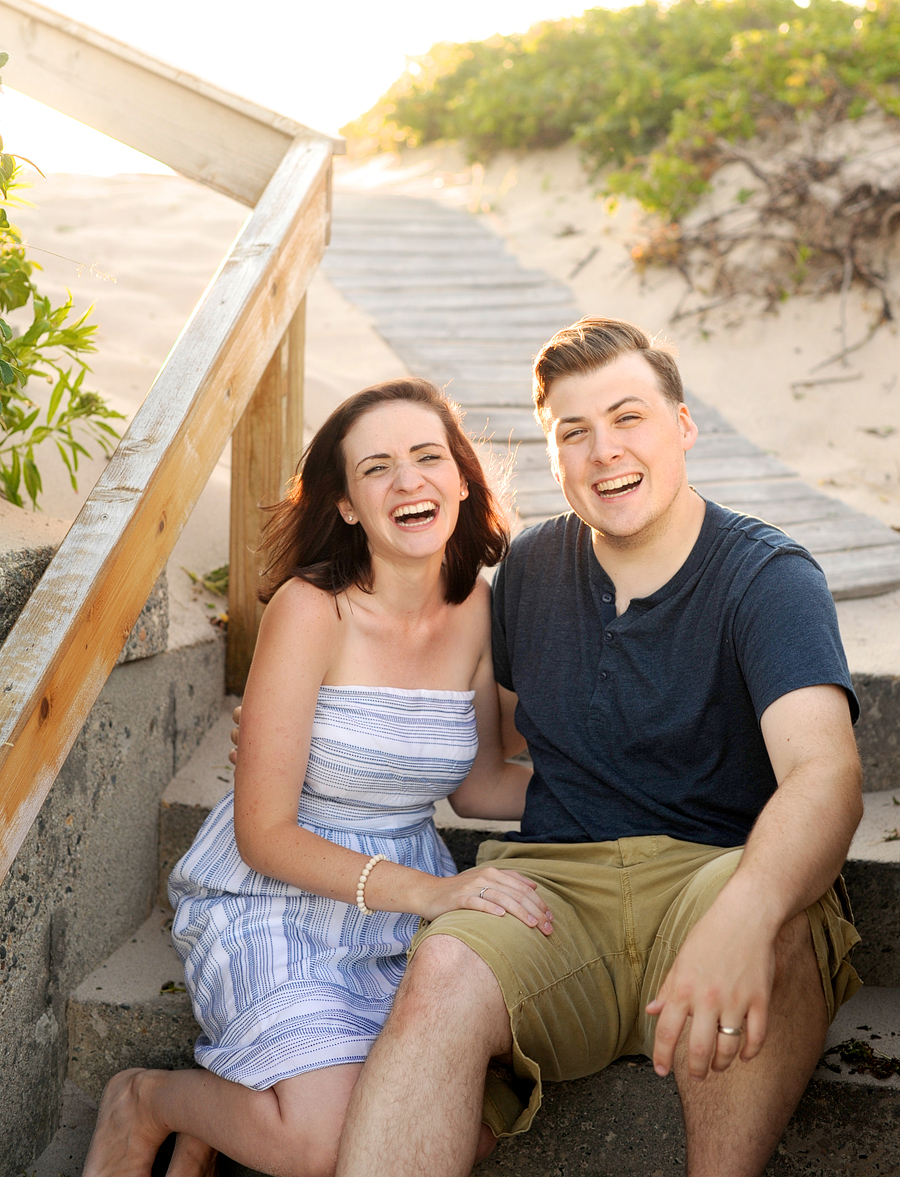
(512, 739)
(724, 972)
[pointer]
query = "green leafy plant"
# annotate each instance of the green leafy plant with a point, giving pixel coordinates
(658, 91)
(50, 348)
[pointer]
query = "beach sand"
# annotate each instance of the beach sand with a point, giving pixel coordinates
(143, 248)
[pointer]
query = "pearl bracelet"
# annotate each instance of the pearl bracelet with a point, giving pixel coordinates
(361, 885)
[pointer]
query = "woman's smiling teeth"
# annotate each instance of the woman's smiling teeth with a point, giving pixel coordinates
(414, 514)
(617, 486)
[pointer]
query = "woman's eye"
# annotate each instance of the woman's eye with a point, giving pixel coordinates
(429, 458)
(375, 469)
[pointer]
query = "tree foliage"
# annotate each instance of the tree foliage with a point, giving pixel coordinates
(654, 90)
(50, 348)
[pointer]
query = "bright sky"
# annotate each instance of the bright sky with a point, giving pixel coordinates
(321, 63)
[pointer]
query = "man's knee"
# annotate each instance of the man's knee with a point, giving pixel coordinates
(445, 978)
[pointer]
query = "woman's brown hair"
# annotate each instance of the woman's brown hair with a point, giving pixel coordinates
(305, 535)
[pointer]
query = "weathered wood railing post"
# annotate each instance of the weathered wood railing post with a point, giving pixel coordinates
(265, 446)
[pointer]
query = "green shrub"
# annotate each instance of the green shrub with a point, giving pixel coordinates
(652, 90)
(51, 349)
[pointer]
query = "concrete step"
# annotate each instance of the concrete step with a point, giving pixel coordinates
(192, 792)
(132, 1011)
(624, 1122)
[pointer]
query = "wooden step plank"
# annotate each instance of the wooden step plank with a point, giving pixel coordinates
(467, 352)
(434, 265)
(362, 245)
(790, 512)
(544, 295)
(424, 228)
(862, 572)
(759, 494)
(723, 445)
(490, 395)
(441, 373)
(433, 324)
(351, 284)
(529, 337)
(518, 424)
(707, 419)
(853, 531)
(390, 208)
(753, 466)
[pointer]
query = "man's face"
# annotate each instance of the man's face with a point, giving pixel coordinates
(617, 447)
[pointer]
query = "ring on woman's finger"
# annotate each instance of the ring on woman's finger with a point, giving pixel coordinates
(731, 1030)
(481, 892)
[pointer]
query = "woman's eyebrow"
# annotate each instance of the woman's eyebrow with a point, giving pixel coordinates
(422, 445)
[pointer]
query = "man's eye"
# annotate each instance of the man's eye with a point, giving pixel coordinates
(628, 418)
(571, 434)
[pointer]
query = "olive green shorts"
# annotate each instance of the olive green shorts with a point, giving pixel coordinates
(621, 911)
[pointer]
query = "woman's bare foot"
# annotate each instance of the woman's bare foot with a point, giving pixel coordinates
(192, 1158)
(126, 1138)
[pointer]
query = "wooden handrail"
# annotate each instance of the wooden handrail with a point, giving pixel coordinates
(57, 657)
(203, 132)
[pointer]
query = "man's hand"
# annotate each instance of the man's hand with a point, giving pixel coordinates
(725, 971)
(722, 976)
(235, 733)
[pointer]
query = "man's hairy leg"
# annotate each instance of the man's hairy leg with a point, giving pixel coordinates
(735, 1118)
(417, 1106)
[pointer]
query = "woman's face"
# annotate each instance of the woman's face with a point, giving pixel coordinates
(403, 485)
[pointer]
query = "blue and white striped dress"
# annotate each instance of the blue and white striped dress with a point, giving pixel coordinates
(283, 981)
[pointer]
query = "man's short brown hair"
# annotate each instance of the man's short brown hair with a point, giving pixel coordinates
(592, 343)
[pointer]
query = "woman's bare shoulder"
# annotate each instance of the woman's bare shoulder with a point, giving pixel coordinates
(297, 604)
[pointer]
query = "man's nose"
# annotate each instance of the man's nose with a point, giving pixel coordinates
(607, 448)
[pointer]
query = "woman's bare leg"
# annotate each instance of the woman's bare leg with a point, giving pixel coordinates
(192, 1158)
(289, 1130)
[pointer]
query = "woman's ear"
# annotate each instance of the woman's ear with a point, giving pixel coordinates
(463, 489)
(345, 508)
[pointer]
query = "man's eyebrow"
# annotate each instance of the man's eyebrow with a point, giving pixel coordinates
(612, 409)
(422, 445)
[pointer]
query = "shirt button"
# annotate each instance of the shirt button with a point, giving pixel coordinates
(603, 675)
(610, 635)
(606, 598)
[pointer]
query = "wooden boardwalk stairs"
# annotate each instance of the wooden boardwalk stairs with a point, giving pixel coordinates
(461, 310)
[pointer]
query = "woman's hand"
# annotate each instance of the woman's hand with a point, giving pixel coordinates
(489, 889)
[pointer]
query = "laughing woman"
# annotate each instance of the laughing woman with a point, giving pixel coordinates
(371, 695)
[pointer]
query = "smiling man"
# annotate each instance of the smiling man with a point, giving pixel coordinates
(677, 673)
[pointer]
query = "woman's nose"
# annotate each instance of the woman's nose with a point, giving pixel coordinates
(408, 475)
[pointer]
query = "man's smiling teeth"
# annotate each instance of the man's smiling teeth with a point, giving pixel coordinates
(614, 484)
(415, 512)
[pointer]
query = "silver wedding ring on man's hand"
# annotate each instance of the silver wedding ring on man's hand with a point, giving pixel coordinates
(481, 892)
(731, 1030)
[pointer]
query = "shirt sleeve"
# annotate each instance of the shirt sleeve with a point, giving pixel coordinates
(786, 632)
